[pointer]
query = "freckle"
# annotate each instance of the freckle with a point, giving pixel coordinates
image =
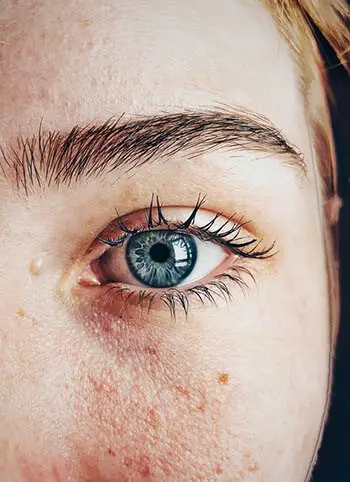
(36, 266)
(254, 467)
(153, 417)
(202, 405)
(20, 312)
(111, 452)
(222, 378)
(218, 469)
(150, 350)
(85, 23)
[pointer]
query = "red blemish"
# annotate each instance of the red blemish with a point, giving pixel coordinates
(37, 471)
(180, 389)
(100, 387)
(166, 468)
(153, 417)
(218, 469)
(56, 475)
(140, 464)
(150, 350)
(111, 452)
(145, 470)
(127, 462)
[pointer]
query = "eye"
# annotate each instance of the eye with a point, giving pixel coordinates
(161, 258)
(173, 254)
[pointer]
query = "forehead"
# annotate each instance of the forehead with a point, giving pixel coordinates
(94, 59)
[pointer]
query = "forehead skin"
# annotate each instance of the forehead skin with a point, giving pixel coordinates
(75, 62)
(89, 61)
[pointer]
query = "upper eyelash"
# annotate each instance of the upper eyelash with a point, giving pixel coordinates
(173, 297)
(204, 233)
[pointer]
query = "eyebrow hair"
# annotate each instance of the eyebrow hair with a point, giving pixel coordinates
(57, 158)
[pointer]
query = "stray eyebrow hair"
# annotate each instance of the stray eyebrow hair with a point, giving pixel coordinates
(54, 158)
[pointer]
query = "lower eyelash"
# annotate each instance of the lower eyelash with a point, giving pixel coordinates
(175, 297)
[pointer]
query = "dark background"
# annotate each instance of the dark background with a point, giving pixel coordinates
(334, 457)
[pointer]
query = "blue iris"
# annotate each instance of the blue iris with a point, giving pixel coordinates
(161, 258)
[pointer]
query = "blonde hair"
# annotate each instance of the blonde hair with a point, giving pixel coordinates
(297, 21)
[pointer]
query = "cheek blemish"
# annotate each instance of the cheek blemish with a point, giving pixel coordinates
(100, 386)
(31, 321)
(203, 403)
(218, 469)
(182, 391)
(20, 312)
(222, 378)
(153, 418)
(36, 266)
(111, 452)
(139, 464)
(150, 350)
(252, 464)
(254, 467)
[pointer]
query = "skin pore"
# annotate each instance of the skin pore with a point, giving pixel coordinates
(94, 386)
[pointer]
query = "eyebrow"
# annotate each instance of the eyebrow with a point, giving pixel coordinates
(54, 158)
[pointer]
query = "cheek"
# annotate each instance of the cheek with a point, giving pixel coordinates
(39, 468)
(154, 412)
(236, 389)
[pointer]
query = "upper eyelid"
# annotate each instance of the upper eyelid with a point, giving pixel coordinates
(154, 216)
(55, 158)
(226, 238)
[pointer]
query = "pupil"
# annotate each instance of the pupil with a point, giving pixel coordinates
(161, 258)
(159, 252)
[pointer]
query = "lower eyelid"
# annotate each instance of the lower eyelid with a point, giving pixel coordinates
(123, 301)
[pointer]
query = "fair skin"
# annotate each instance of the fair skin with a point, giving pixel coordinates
(94, 386)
